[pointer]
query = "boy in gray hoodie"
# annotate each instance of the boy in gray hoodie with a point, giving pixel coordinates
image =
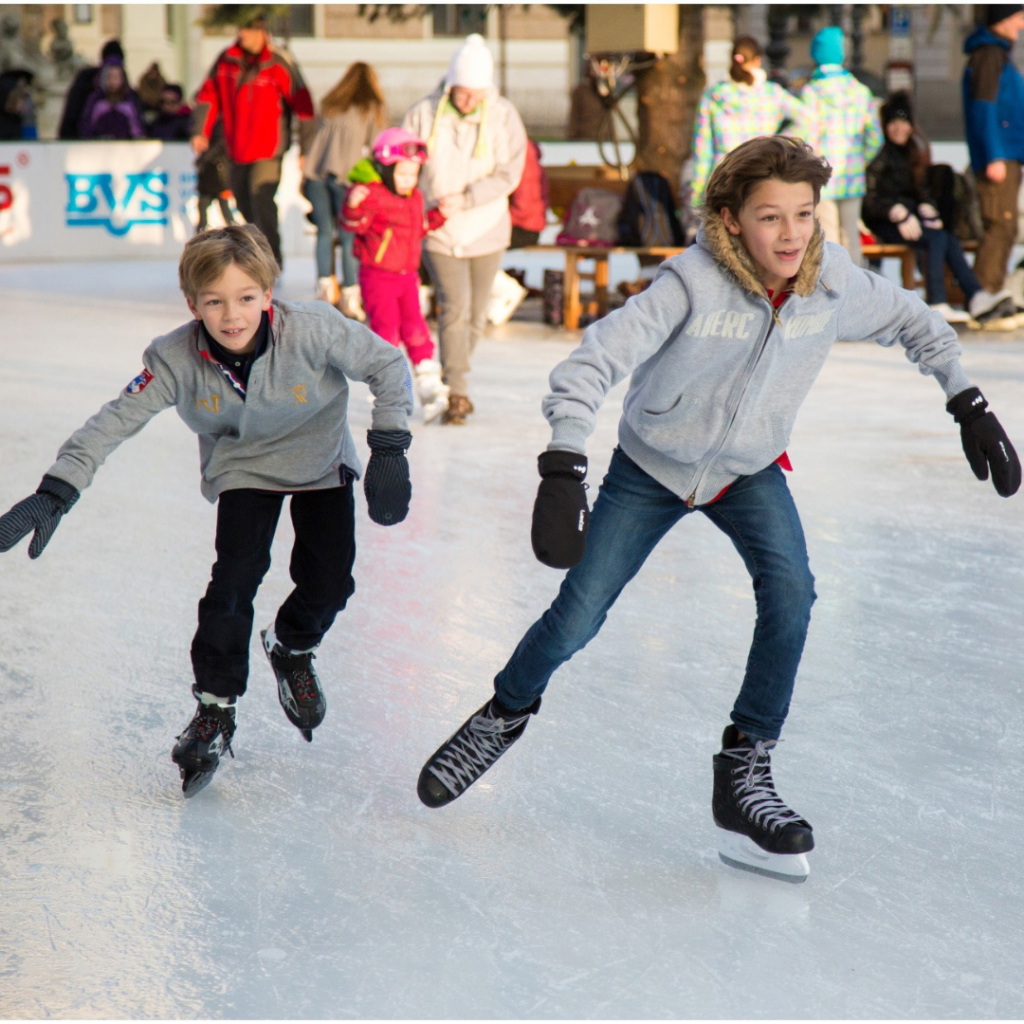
(722, 348)
(265, 386)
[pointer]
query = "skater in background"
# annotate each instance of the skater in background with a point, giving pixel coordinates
(351, 114)
(264, 384)
(386, 213)
(212, 180)
(255, 88)
(731, 112)
(723, 348)
(900, 208)
(477, 147)
(842, 125)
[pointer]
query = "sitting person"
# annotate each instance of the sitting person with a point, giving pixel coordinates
(899, 208)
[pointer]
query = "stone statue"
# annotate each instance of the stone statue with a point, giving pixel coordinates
(66, 63)
(13, 52)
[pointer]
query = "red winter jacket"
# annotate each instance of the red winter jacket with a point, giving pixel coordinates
(255, 96)
(389, 228)
(528, 204)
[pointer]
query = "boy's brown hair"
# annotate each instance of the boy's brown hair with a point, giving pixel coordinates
(783, 157)
(209, 254)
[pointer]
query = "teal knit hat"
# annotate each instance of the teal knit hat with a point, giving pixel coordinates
(828, 46)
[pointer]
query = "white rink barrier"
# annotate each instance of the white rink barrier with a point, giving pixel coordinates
(115, 201)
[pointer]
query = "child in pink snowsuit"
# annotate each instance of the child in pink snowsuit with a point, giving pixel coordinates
(385, 211)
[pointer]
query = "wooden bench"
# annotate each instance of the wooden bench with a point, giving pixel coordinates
(907, 255)
(595, 304)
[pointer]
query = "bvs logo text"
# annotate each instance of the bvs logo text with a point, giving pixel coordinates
(93, 201)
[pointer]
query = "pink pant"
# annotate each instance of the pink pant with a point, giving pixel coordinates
(392, 304)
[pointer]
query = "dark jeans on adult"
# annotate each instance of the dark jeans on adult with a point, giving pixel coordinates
(632, 513)
(255, 186)
(998, 201)
(328, 197)
(463, 289)
(321, 569)
(941, 248)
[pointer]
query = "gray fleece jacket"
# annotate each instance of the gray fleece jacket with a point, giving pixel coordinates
(290, 430)
(718, 374)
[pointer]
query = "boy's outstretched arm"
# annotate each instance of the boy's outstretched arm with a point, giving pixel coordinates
(874, 308)
(82, 454)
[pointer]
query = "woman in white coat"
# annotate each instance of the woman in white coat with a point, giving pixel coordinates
(477, 148)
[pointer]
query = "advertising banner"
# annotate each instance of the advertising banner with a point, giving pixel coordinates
(113, 201)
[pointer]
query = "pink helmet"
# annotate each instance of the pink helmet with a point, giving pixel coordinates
(394, 144)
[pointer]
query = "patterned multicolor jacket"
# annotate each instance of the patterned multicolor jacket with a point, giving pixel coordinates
(731, 113)
(842, 125)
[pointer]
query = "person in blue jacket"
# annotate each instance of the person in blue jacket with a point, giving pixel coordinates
(993, 98)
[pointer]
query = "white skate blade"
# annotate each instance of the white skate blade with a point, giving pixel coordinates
(740, 852)
(434, 408)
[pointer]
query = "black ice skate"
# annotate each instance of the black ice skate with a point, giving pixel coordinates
(466, 755)
(298, 688)
(759, 832)
(199, 748)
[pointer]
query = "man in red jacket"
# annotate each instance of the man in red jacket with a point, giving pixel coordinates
(254, 87)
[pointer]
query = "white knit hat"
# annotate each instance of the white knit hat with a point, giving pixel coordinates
(472, 65)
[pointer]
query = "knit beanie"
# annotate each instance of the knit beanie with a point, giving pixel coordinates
(996, 13)
(472, 65)
(827, 47)
(897, 108)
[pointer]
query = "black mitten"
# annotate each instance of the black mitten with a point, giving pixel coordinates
(985, 442)
(560, 513)
(386, 484)
(41, 512)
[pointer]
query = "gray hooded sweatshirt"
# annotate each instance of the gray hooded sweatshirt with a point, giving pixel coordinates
(290, 430)
(718, 374)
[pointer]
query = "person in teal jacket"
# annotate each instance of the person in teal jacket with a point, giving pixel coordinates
(842, 125)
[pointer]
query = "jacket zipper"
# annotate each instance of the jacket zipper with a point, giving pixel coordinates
(708, 460)
(383, 245)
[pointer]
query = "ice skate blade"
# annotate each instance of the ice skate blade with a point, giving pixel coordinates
(740, 852)
(193, 782)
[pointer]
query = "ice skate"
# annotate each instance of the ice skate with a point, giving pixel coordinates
(430, 389)
(466, 755)
(328, 290)
(759, 832)
(351, 303)
(199, 748)
(298, 688)
(992, 311)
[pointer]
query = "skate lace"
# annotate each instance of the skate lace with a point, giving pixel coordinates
(756, 794)
(300, 676)
(473, 751)
(206, 724)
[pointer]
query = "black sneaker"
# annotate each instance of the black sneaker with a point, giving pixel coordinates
(200, 747)
(298, 687)
(466, 755)
(745, 800)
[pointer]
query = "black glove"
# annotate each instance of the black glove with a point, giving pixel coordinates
(40, 512)
(386, 485)
(985, 442)
(560, 513)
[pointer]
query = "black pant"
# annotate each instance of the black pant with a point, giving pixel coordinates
(255, 186)
(321, 569)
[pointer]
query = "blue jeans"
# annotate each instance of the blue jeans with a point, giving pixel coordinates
(328, 197)
(632, 513)
(939, 248)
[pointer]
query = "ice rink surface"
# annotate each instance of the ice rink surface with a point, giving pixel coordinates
(580, 877)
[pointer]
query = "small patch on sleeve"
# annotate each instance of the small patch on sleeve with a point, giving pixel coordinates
(139, 384)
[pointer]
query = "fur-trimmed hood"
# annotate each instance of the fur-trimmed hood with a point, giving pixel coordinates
(731, 254)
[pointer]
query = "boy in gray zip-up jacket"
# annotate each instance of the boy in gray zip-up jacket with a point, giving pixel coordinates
(264, 384)
(722, 348)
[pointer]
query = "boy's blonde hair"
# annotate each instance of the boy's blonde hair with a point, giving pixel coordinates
(769, 156)
(209, 254)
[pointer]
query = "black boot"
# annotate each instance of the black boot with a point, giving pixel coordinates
(199, 748)
(298, 687)
(466, 755)
(745, 804)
